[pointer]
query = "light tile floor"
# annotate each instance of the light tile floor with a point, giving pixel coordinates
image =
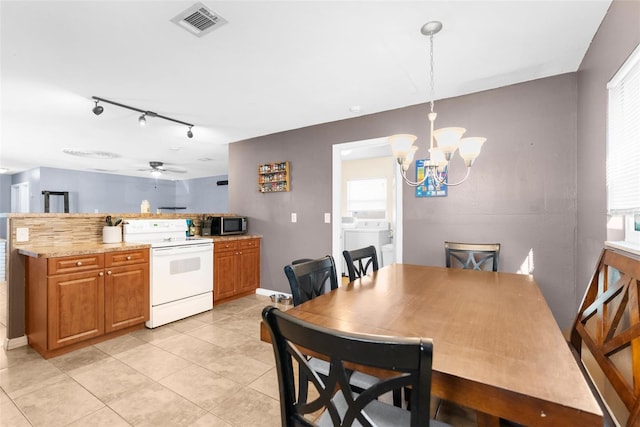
(207, 370)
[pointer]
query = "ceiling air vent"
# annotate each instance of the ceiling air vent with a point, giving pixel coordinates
(199, 20)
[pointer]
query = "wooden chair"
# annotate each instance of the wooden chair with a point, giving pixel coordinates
(408, 361)
(359, 260)
(472, 256)
(606, 335)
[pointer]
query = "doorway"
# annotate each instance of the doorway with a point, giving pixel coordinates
(380, 150)
(20, 197)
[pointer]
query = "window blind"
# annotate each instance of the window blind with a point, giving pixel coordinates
(623, 138)
(367, 194)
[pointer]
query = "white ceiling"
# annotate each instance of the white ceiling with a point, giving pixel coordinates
(274, 66)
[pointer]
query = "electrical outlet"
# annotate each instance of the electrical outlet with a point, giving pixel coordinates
(294, 217)
(327, 218)
(22, 234)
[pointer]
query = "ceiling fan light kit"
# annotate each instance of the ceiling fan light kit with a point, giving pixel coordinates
(156, 169)
(142, 120)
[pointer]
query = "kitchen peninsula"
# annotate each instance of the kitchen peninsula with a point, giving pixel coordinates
(57, 242)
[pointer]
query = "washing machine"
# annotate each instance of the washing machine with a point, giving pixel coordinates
(366, 232)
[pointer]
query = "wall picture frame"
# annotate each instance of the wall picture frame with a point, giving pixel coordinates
(429, 187)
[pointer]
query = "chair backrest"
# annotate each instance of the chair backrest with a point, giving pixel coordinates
(359, 260)
(472, 256)
(408, 360)
(311, 278)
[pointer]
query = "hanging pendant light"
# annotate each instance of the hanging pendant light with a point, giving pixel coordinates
(443, 143)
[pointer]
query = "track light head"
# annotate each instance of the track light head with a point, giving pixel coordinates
(98, 109)
(189, 133)
(142, 121)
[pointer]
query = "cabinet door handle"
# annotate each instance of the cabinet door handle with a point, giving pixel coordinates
(79, 263)
(101, 274)
(129, 258)
(109, 272)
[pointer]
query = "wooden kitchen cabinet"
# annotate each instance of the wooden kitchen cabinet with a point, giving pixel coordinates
(78, 300)
(236, 268)
(126, 289)
(249, 266)
(225, 268)
(75, 308)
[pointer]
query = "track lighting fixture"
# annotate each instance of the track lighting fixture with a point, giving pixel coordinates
(98, 109)
(142, 120)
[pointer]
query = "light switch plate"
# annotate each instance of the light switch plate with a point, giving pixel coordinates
(294, 217)
(22, 234)
(327, 218)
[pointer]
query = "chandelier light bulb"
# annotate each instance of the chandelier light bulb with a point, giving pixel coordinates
(469, 149)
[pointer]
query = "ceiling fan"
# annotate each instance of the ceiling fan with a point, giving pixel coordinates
(158, 168)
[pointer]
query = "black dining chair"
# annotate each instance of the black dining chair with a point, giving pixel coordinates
(407, 360)
(309, 278)
(472, 256)
(360, 260)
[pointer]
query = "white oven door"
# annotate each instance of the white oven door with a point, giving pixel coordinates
(179, 272)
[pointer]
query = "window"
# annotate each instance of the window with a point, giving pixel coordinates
(367, 195)
(623, 139)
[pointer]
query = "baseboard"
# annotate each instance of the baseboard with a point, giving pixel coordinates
(11, 343)
(269, 292)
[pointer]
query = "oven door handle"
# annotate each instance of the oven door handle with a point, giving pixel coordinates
(179, 250)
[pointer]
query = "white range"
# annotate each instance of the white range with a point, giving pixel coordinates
(181, 268)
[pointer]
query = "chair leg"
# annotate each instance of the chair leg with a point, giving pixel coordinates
(303, 387)
(397, 397)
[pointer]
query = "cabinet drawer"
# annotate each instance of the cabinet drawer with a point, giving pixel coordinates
(248, 243)
(117, 259)
(230, 245)
(75, 264)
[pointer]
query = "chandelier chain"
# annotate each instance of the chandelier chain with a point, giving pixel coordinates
(431, 71)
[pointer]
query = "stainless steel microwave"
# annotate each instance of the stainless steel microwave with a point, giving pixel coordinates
(226, 225)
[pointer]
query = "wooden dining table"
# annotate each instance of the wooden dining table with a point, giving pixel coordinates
(497, 347)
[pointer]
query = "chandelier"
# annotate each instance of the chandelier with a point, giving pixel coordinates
(443, 143)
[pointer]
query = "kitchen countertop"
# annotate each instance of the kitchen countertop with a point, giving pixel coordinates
(50, 251)
(231, 237)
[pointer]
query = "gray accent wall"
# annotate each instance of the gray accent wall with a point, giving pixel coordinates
(617, 37)
(521, 193)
